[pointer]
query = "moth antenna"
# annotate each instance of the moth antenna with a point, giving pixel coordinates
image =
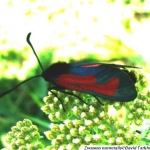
(7, 92)
(28, 41)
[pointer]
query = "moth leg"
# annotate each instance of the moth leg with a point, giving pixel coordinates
(138, 131)
(62, 90)
(73, 95)
(98, 100)
(56, 88)
(58, 99)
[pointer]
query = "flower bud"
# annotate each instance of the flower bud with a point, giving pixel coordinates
(74, 132)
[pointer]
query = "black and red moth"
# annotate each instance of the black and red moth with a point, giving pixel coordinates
(98, 79)
(102, 80)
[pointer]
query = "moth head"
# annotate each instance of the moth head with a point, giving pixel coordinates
(55, 70)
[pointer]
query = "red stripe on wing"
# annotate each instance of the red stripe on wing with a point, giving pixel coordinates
(87, 83)
(93, 65)
(70, 86)
(108, 89)
(74, 79)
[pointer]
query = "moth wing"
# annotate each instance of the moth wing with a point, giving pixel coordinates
(98, 79)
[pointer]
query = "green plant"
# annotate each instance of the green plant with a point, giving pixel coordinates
(90, 123)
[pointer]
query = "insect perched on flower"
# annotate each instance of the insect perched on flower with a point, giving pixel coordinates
(98, 79)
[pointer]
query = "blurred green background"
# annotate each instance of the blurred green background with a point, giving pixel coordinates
(63, 30)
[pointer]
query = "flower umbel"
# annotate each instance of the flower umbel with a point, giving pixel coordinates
(24, 136)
